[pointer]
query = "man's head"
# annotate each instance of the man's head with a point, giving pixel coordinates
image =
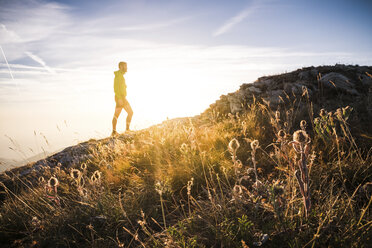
(123, 66)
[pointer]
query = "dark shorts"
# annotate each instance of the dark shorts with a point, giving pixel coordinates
(124, 102)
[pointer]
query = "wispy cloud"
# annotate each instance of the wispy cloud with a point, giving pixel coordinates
(7, 36)
(237, 19)
(155, 25)
(40, 61)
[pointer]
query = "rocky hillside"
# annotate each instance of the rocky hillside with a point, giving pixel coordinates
(328, 87)
(282, 162)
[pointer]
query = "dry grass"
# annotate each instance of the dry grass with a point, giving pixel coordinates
(213, 181)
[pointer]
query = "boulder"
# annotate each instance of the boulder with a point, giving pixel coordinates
(254, 89)
(334, 80)
(304, 75)
(236, 101)
(366, 80)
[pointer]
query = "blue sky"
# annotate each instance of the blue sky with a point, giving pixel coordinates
(182, 55)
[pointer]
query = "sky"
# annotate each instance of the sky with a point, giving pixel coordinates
(57, 59)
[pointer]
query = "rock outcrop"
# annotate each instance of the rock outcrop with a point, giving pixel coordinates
(328, 87)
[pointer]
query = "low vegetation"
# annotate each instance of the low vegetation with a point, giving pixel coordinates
(261, 178)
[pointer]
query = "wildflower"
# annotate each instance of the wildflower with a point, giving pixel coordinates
(254, 144)
(53, 182)
(300, 136)
(233, 145)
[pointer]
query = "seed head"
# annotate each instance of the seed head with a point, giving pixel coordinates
(159, 188)
(189, 185)
(322, 112)
(303, 124)
(233, 145)
(238, 190)
(254, 144)
(281, 134)
(300, 136)
(53, 182)
(75, 174)
(238, 164)
(83, 192)
(96, 175)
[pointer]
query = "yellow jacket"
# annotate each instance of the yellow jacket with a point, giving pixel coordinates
(120, 88)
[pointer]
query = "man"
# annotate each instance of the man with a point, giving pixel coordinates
(120, 89)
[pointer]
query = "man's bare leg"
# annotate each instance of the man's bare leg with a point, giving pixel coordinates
(129, 110)
(115, 118)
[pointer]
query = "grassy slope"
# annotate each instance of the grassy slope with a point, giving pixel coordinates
(174, 185)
